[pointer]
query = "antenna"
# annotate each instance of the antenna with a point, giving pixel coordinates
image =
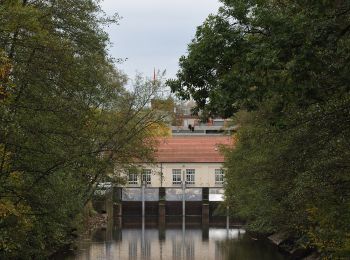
(154, 75)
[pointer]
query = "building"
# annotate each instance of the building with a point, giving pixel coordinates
(191, 155)
(193, 126)
(187, 123)
(195, 159)
(186, 178)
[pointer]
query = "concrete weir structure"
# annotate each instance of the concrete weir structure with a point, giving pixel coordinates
(162, 203)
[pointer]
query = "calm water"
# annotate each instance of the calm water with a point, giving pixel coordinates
(174, 242)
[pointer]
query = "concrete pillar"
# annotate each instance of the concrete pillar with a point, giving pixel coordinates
(143, 199)
(161, 233)
(183, 194)
(205, 214)
(161, 207)
(117, 234)
(205, 206)
(110, 213)
(117, 206)
(227, 220)
(109, 203)
(161, 218)
(205, 233)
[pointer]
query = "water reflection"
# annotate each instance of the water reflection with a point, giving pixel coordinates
(176, 242)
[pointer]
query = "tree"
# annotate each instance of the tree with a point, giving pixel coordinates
(254, 49)
(66, 121)
(294, 179)
(281, 69)
(5, 68)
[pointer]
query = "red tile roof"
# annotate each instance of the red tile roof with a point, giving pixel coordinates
(187, 149)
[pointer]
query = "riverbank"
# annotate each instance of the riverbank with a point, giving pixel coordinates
(91, 222)
(288, 244)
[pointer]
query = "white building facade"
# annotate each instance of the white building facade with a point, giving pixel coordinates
(173, 175)
(195, 160)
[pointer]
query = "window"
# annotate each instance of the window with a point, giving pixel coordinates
(190, 176)
(146, 176)
(176, 176)
(219, 176)
(132, 178)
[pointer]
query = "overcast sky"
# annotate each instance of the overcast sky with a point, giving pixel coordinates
(154, 33)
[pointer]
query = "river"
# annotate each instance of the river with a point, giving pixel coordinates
(176, 241)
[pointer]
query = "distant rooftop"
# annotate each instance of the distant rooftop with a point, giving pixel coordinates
(187, 149)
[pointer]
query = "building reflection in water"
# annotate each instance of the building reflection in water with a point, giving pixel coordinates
(173, 243)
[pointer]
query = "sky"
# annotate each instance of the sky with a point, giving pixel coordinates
(154, 33)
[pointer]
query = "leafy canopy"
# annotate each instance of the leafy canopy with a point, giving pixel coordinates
(66, 121)
(281, 69)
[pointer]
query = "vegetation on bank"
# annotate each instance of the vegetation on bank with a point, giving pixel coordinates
(281, 69)
(66, 121)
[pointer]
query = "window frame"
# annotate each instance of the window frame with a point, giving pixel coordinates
(219, 176)
(176, 173)
(133, 178)
(190, 176)
(146, 176)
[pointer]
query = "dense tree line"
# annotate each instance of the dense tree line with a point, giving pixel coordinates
(281, 68)
(66, 121)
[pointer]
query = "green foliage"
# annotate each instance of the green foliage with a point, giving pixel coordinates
(66, 122)
(5, 68)
(295, 179)
(251, 50)
(282, 68)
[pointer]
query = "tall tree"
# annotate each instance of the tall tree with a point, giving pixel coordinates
(282, 69)
(66, 120)
(251, 50)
